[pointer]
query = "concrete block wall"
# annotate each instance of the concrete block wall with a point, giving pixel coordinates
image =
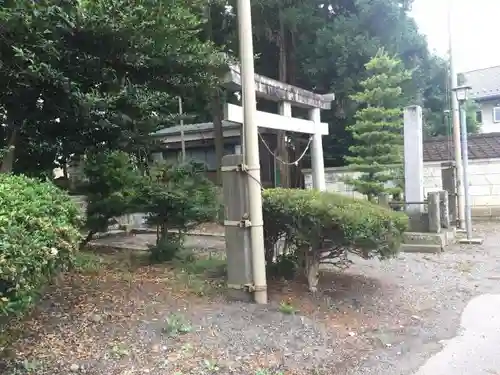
(484, 184)
(432, 178)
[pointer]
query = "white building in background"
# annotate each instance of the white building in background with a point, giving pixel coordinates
(484, 170)
(485, 92)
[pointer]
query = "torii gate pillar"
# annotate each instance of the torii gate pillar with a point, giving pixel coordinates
(317, 159)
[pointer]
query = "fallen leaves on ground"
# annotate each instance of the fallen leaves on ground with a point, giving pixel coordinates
(100, 322)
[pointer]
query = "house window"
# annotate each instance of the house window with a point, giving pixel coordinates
(496, 114)
(479, 117)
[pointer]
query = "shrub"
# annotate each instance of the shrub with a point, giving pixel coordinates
(39, 234)
(112, 185)
(322, 227)
(167, 248)
(176, 199)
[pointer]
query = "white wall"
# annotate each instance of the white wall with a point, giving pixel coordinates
(488, 125)
(484, 182)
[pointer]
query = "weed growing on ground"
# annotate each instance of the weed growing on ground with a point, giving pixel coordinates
(268, 372)
(465, 266)
(120, 351)
(211, 365)
(176, 325)
(287, 308)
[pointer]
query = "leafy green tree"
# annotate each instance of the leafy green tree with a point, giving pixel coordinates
(437, 101)
(76, 74)
(324, 45)
(378, 127)
(151, 53)
(113, 182)
(34, 88)
(177, 198)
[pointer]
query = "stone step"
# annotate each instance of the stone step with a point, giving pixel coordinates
(418, 238)
(419, 248)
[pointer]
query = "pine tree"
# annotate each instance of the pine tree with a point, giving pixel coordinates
(378, 131)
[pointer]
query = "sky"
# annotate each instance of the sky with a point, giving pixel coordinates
(475, 30)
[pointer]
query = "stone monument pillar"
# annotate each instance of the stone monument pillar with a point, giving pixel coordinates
(414, 166)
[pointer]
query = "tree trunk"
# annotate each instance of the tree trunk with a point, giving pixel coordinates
(216, 107)
(65, 169)
(218, 132)
(10, 153)
(86, 240)
(282, 150)
(295, 173)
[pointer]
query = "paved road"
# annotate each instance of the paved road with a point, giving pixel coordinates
(475, 350)
(457, 296)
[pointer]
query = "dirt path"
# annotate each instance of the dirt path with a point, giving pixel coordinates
(376, 318)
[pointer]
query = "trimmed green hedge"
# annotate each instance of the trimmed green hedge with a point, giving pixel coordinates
(322, 227)
(39, 234)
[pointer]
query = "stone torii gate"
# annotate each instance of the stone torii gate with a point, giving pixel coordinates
(240, 280)
(286, 96)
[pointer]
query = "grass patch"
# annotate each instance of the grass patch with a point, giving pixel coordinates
(213, 266)
(88, 262)
(201, 274)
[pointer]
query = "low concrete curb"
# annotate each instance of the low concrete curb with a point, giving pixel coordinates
(111, 248)
(192, 233)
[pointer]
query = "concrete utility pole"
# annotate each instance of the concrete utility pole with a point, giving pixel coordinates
(251, 158)
(455, 116)
(465, 166)
(183, 142)
(461, 93)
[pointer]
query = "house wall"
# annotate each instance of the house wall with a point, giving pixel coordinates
(484, 184)
(487, 124)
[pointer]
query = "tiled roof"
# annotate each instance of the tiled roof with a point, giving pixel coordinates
(480, 146)
(485, 83)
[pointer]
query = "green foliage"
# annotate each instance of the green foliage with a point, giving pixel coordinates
(39, 235)
(161, 54)
(112, 186)
(378, 127)
(300, 37)
(77, 74)
(325, 227)
(177, 198)
(438, 100)
(471, 108)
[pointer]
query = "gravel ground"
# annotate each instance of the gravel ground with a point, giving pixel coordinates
(376, 318)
